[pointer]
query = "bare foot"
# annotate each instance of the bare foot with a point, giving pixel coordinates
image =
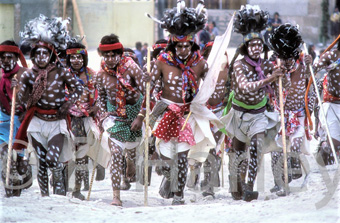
(116, 202)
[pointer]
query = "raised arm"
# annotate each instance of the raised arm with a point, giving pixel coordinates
(246, 86)
(102, 96)
(76, 89)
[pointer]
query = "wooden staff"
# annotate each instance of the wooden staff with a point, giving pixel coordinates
(94, 166)
(321, 107)
(222, 159)
(64, 8)
(283, 132)
(80, 24)
(10, 141)
(146, 151)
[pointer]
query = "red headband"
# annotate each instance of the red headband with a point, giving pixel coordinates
(109, 47)
(159, 45)
(76, 51)
(47, 45)
(14, 49)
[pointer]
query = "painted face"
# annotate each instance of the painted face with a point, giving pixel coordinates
(77, 61)
(288, 64)
(8, 61)
(255, 48)
(111, 59)
(42, 57)
(183, 50)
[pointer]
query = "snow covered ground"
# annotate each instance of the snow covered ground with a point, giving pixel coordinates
(302, 205)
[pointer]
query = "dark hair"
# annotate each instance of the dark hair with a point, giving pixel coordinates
(110, 39)
(10, 43)
(138, 45)
(214, 23)
(76, 45)
(157, 51)
(276, 13)
(171, 47)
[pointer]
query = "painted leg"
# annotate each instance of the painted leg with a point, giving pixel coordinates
(255, 151)
(237, 165)
(116, 166)
(55, 146)
(182, 177)
(295, 159)
(42, 169)
(79, 176)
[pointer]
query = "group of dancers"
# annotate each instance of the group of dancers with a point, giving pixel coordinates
(64, 112)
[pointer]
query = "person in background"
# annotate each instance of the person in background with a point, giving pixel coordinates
(138, 52)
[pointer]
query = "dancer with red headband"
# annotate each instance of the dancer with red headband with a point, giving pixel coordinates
(9, 55)
(82, 114)
(119, 84)
(42, 89)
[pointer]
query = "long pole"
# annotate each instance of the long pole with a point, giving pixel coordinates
(94, 166)
(283, 132)
(146, 152)
(10, 141)
(222, 160)
(64, 8)
(80, 24)
(321, 107)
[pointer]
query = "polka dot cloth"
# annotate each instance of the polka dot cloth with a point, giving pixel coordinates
(171, 124)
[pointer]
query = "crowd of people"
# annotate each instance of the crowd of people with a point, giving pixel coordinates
(66, 114)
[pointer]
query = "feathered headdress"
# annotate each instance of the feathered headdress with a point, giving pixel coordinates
(286, 41)
(183, 21)
(250, 21)
(52, 31)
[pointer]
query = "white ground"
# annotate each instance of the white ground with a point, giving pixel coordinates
(302, 205)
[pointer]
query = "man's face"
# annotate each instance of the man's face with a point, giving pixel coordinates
(42, 57)
(288, 64)
(111, 59)
(77, 61)
(183, 50)
(8, 61)
(255, 48)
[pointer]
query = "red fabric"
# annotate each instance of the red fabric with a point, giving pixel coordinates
(14, 49)
(5, 85)
(76, 51)
(171, 124)
(188, 75)
(123, 65)
(22, 132)
(327, 97)
(159, 45)
(108, 47)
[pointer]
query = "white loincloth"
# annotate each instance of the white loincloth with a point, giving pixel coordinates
(92, 136)
(200, 125)
(244, 126)
(43, 131)
(104, 155)
(333, 120)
